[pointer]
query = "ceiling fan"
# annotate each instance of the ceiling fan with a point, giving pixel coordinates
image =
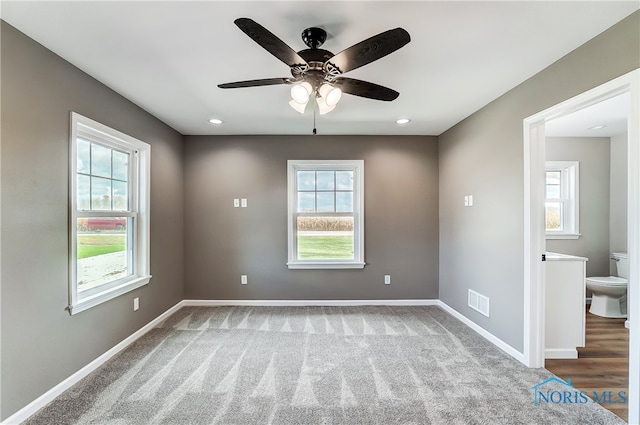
(319, 72)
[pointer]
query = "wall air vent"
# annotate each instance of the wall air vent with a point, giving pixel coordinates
(479, 303)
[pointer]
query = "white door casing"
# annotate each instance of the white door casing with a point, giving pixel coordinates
(534, 232)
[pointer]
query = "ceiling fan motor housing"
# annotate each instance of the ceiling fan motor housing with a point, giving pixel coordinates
(316, 60)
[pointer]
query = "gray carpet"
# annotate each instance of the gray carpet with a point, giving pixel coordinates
(313, 365)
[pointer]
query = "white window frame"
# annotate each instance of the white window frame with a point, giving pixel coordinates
(569, 198)
(357, 166)
(139, 186)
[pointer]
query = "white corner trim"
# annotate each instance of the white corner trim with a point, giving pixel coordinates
(299, 303)
(24, 413)
(560, 353)
(484, 333)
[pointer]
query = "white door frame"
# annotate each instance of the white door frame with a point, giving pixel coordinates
(534, 232)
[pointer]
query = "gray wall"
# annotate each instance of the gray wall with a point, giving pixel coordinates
(222, 242)
(41, 343)
(618, 196)
(482, 247)
(593, 155)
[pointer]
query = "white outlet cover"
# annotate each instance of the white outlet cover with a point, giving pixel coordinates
(236, 203)
(387, 279)
(243, 202)
(243, 279)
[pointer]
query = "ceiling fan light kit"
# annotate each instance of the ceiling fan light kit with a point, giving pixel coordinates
(318, 72)
(327, 97)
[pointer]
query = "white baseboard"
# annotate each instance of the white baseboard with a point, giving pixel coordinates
(560, 353)
(298, 303)
(24, 413)
(484, 333)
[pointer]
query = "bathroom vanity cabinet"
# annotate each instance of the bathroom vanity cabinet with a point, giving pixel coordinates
(565, 292)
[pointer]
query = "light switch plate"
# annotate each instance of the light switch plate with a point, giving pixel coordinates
(236, 203)
(243, 202)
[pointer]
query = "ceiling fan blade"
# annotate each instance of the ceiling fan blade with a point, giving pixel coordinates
(255, 83)
(365, 89)
(270, 42)
(371, 49)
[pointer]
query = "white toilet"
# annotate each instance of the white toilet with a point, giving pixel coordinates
(609, 293)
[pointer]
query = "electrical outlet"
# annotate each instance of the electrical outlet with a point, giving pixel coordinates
(387, 279)
(243, 279)
(243, 202)
(136, 303)
(236, 203)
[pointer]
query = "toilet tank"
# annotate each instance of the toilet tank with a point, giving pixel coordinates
(622, 264)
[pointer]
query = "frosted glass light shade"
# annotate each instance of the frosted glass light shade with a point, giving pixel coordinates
(323, 108)
(331, 94)
(300, 92)
(300, 107)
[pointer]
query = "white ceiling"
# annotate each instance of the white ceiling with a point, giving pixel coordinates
(169, 56)
(612, 114)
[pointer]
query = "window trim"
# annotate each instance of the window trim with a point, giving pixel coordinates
(570, 182)
(82, 126)
(357, 166)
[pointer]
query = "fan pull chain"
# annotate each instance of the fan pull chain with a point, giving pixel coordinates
(314, 118)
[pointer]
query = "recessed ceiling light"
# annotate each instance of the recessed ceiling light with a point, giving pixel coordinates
(403, 121)
(215, 121)
(597, 127)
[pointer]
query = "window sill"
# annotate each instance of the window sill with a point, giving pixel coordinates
(325, 265)
(101, 297)
(563, 236)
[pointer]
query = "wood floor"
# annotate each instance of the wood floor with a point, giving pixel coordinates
(602, 365)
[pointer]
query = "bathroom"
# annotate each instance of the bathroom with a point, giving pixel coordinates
(586, 158)
(593, 142)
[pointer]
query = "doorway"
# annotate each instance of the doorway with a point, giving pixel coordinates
(534, 234)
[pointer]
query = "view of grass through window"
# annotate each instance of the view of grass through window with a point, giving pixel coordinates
(325, 247)
(325, 237)
(101, 250)
(92, 244)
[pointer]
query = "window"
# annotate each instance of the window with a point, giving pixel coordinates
(326, 214)
(561, 199)
(109, 213)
